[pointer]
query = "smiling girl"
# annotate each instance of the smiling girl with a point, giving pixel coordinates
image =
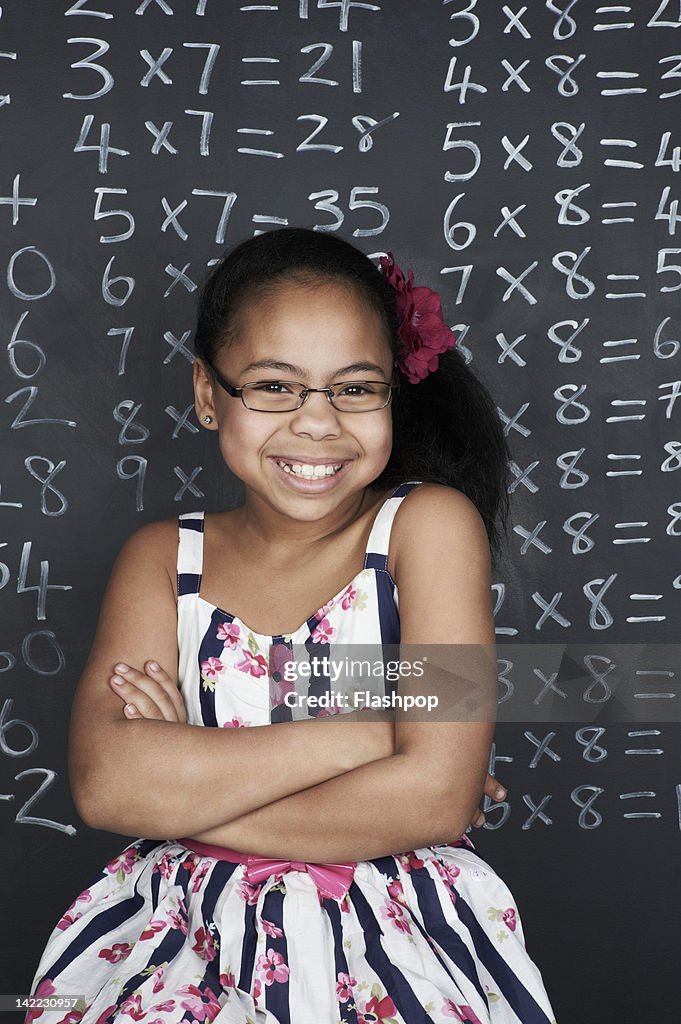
(297, 868)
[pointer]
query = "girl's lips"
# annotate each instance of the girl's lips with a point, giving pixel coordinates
(310, 485)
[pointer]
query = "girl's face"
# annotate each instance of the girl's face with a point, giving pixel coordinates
(326, 334)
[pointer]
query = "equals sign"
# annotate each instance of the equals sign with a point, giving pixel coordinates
(649, 750)
(666, 695)
(640, 814)
(646, 618)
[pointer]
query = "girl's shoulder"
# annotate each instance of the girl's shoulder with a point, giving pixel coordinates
(158, 541)
(430, 516)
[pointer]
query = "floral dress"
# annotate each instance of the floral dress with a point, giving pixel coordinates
(164, 933)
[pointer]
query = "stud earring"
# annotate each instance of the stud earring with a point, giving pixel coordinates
(207, 419)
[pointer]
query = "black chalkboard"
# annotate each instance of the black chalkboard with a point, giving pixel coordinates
(525, 161)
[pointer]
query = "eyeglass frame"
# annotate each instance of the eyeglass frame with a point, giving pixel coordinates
(238, 392)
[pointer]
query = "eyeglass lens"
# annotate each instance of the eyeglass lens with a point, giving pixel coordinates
(284, 396)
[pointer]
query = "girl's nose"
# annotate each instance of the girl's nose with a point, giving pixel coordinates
(316, 416)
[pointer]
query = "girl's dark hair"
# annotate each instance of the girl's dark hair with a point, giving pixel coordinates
(445, 428)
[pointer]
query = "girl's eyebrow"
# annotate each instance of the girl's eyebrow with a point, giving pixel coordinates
(272, 364)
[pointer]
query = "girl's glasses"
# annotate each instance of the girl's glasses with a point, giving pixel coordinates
(286, 395)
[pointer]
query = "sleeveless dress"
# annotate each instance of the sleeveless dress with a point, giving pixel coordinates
(165, 933)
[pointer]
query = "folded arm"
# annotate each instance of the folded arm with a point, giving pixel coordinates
(428, 790)
(162, 779)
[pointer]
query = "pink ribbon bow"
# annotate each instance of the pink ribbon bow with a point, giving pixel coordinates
(332, 880)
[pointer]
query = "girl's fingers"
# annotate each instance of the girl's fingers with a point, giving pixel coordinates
(493, 789)
(158, 673)
(151, 695)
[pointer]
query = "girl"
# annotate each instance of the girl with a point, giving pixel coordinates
(373, 462)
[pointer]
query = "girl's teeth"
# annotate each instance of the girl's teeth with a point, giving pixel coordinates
(308, 471)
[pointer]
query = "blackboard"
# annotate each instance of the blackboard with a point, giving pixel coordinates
(525, 161)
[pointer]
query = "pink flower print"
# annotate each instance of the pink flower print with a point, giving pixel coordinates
(344, 986)
(119, 951)
(72, 1017)
(106, 1016)
(45, 988)
(196, 1004)
(164, 1007)
(249, 892)
(393, 911)
(273, 967)
(133, 1006)
(376, 1011)
(447, 872)
(508, 917)
(270, 928)
(177, 922)
(321, 612)
(84, 897)
(347, 598)
(204, 944)
(123, 864)
(229, 632)
(154, 926)
(69, 918)
(192, 863)
(323, 633)
(396, 891)
(227, 980)
(257, 990)
(460, 1013)
(409, 860)
(235, 723)
(199, 875)
(158, 980)
(210, 670)
(254, 664)
(163, 866)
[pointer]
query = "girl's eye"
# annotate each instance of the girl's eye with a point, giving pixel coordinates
(270, 387)
(356, 390)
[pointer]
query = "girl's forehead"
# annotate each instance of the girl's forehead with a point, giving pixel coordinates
(315, 318)
(294, 297)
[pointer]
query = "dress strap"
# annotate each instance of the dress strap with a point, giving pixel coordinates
(189, 552)
(379, 539)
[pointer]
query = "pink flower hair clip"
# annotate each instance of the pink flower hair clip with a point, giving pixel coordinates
(422, 330)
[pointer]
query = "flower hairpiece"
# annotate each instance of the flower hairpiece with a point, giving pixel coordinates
(422, 330)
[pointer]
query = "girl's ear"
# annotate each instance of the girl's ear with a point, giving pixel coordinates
(203, 392)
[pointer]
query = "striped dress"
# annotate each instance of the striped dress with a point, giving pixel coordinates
(172, 930)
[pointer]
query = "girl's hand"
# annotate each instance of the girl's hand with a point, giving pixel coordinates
(150, 695)
(495, 791)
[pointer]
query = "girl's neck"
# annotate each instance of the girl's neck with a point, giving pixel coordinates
(264, 529)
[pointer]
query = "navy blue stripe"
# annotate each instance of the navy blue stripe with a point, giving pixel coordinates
(188, 583)
(436, 926)
(346, 1010)
(510, 986)
(248, 948)
(276, 995)
(211, 647)
(112, 918)
(394, 982)
(192, 524)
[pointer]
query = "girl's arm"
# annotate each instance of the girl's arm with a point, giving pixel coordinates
(427, 791)
(163, 779)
